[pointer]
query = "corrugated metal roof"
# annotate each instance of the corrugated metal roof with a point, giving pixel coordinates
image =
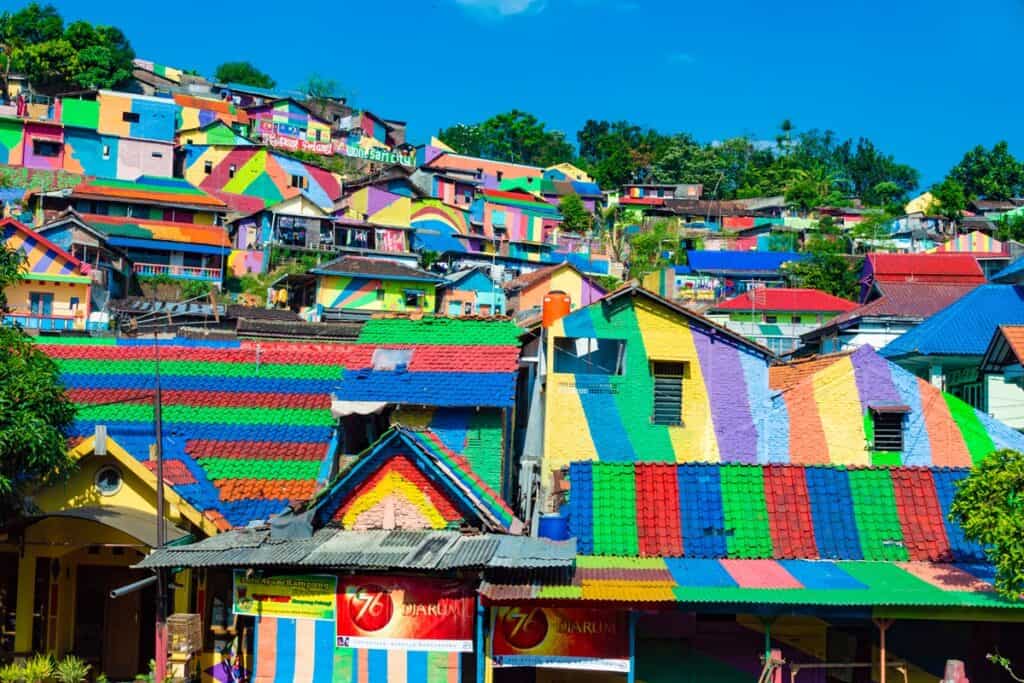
(740, 261)
(965, 327)
(331, 547)
(764, 582)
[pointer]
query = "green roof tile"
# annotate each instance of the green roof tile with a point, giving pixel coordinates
(746, 513)
(878, 522)
(440, 330)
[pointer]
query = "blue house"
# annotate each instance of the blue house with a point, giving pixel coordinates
(470, 292)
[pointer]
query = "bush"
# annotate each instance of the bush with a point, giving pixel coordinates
(71, 669)
(38, 668)
(11, 673)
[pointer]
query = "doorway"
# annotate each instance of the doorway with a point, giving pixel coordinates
(115, 635)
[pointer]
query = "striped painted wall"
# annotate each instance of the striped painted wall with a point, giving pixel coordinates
(729, 413)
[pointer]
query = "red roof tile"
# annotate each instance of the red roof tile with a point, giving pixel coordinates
(950, 268)
(785, 299)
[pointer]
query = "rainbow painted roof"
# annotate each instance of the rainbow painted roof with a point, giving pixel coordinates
(767, 512)
(151, 189)
(121, 230)
(452, 363)
(787, 583)
(248, 426)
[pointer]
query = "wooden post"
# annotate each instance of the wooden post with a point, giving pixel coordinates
(883, 626)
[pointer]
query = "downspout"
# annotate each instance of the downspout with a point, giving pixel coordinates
(480, 674)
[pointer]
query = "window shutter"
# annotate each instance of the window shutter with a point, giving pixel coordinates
(888, 432)
(668, 393)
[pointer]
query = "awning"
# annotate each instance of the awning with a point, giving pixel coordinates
(768, 583)
(139, 525)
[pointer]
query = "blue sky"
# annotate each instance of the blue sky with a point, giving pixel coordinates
(924, 80)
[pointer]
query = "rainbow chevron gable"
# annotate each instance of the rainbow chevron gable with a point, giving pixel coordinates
(729, 412)
(410, 477)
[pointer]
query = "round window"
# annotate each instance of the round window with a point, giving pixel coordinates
(108, 480)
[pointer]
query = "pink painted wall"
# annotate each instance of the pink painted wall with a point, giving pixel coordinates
(44, 133)
(136, 157)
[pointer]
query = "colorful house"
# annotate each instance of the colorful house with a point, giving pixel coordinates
(526, 293)
(199, 112)
(725, 510)
(777, 317)
(642, 379)
(290, 125)
(367, 285)
(54, 292)
(710, 276)
(250, 178)
(947, 349)
(470, 292)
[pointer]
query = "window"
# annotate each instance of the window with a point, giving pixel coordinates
(188, 141)
(795, 320)
(108, 480)
(414, 298)
(298, 181)
(317, 134)
(40, 303)
(467, 308)
(668, 392)
(130, 117)
(888, 427)
(73, 303)
(391, 359)
(46, 148)
(158, 155)
(771, 319)
(231, 171)
(590, 356)
(380, 293)
(208, 167)
(106, 151)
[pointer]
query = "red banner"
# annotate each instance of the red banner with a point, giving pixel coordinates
(554, 637)
(405, 613)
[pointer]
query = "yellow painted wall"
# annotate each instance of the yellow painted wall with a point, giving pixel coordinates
(341, 292)
(19, 301)
(397, 212)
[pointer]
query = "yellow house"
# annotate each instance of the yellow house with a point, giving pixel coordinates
(371, 285)
(571, 171)
(59, 564)
(54, 291)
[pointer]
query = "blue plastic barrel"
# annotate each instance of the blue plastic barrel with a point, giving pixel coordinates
(553, 526)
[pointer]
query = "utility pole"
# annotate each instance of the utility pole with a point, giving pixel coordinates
(160, 670)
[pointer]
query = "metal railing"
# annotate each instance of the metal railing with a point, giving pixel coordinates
(180, 272)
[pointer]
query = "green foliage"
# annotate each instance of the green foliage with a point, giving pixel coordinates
(989, 507)
(56, 58)
(646, 250)
(38, 668)
(950, 198)
(1010, 228)
(12, 265)
(243, 73)
(575, 217)
(515, 136)
(608, 282)
(71, 669)
(829, 268)
(1005, 665)
(318, 87)
(992, 174)
(346, 167)
(617, 153)
(34, 414)
(11, 673)
(191, 289)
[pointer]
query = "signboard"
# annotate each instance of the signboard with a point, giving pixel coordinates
(405, 613)
(561, 638)
(281, 137)
(304, 596)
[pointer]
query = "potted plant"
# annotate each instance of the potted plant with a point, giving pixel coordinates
(38, 668)
(71, 669)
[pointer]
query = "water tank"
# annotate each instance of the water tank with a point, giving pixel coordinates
(557, 304)
(553, 526)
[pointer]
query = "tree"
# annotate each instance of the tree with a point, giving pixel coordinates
(1010, 228)
(991, 174)
(829, 272)
(617, 153)
(35, 412)
(317, 87)
(243, 73)
(55, 58)
(515, 136)
(813, 187)
(647, 250)
(950, 199)
(989, 506)
(575, 217)
(464, 139)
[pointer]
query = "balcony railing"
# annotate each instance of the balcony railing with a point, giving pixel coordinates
(177, 272)
(31, 321)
